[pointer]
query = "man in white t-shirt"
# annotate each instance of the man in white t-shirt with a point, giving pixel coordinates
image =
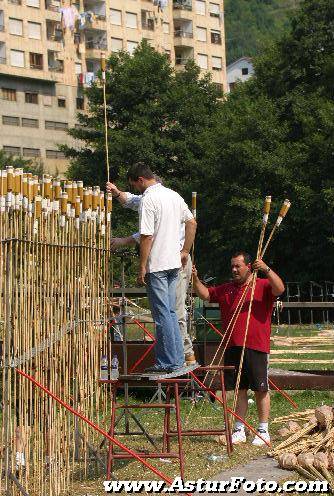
(161, 213)
(132, 202)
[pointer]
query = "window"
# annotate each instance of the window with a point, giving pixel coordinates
(131, 20)
(29, 122)
(214, 9)
(147, 20)
(17, 58)
(34, 30)
(31, 152)
(200, 7)
(12, 150)
(62, 102)
(8, 120)
(54, 154)
(216, 37)
(116, 45)
(202, 61)
(116, 17)
(232, 86)
(165, 27)
(33, 3)
(217, 63)
(47, 100)
(80, 103)
(201, 34)
(15, 26)
(168, 53)
(36, 60)
(78, 67)
(244, 71)
(56, 126)
(9, 94)
(131, 46)
(31, 97)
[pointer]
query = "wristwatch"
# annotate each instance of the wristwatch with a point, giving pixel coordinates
(268, 269)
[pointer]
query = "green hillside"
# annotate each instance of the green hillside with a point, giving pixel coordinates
(250, 23)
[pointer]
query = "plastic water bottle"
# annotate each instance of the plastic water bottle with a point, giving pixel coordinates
(114, 368)
(104, 368)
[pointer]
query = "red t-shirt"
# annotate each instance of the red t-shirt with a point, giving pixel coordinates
(228, 295)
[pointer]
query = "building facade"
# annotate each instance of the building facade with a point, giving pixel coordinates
(239, 70)
(51, 50)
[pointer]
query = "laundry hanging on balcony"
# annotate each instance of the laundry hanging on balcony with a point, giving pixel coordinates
(161, 4)
(68, 17)
(86, 17)
(89, 78)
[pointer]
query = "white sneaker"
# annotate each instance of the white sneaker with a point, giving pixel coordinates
(238, 436)
(258, 441)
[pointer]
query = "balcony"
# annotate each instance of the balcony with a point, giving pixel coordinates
(179, 33)
(3, 60)
(37, 67)
(148, 24)
(15, 2)
(182, 5)
(181, 60)
(57, 66)
(53, 7)
(96, 45)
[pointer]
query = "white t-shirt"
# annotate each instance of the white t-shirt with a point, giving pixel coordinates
(133, 202)
(161, 212)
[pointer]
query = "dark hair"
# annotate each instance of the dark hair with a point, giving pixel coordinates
(139, 170)
(247, 257)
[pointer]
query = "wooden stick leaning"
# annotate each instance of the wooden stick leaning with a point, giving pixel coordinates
(104, 82)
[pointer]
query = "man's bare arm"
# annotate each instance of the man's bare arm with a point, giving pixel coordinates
(145, 249)
(116, 193)
(201, 290)
(276, 283)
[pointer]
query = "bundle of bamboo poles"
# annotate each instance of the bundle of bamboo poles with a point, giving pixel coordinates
(54, 306)
(310, 450)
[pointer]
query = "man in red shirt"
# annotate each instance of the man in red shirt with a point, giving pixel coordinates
(254, 373)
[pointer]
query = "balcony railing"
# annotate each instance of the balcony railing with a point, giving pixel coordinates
(2, 27)
(100, 17)
(3, 60)
(182, 60)
(38, 67)
(15, 2)
(55, 36)
(56, 67)
(149, 25)
(182, 5)
(101, 45)
(53, 8)
(180, 33)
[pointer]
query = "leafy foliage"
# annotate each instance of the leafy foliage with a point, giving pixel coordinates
(277, 137)
(36, 167)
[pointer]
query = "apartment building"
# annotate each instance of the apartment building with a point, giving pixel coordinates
(51, 50)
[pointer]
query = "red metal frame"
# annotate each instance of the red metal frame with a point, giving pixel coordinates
(229, 410)
(211, 432)
(139, 361)
(111, 439)
(166, 452)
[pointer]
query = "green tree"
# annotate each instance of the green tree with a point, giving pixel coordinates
(276, 136)
(36, 167)
(251, 24)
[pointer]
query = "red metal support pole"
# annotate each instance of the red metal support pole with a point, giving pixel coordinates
(96, 427)
(229, 410)
(284, 394)
(139, 361)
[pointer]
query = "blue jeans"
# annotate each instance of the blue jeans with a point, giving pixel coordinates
(161, 292)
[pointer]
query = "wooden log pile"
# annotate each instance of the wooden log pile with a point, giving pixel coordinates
(310, 449)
